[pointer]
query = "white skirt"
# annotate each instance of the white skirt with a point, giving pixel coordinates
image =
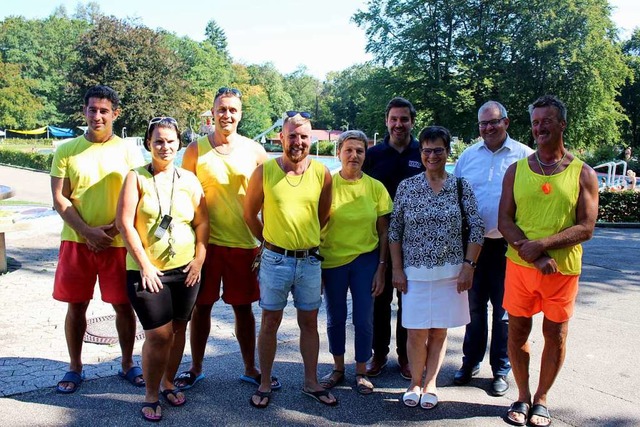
(436, 304)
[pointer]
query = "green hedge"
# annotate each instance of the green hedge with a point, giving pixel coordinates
(621, 206)
(28, 160)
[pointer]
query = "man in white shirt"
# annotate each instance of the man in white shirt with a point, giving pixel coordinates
(484, 165)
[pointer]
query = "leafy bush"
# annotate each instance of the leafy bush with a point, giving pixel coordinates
(25, 141)
(272, 148)
(621, 206)
(28, 160)
(325, 148)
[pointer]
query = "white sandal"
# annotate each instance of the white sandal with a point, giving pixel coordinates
(428, 401)
(411, 399)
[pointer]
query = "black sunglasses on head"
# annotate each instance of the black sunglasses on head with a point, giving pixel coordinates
(303, 114)
(226, 90)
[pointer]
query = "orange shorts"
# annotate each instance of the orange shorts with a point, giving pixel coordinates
(78, 268)
(231, 266)
(527, 291)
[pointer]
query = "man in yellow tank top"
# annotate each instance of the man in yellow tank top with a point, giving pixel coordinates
(294, 194)
(548, 208)
(223, 161)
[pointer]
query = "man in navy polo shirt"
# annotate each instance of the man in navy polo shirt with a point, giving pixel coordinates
(395, 159)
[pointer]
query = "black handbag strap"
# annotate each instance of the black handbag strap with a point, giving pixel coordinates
(459, 185)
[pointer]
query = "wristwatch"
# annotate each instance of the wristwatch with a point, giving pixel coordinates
(471, 263)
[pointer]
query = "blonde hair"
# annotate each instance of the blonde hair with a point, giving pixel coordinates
(296, 121)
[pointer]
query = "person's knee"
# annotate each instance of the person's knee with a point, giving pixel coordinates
(201, 311)
(270, 322)
(123, 310)
(555, 333)
(77, 310)
(159, 337)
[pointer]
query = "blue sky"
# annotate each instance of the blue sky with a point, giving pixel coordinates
(317, 34)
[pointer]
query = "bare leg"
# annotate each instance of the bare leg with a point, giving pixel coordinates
(555, 341)
(436, 349)
(155, 353)
(267, 344)
(126, 327)
(175, 353)
(417, 355)
(75, 325)
(200, 327)
(246, 335)
(309, 348)
(519, 355)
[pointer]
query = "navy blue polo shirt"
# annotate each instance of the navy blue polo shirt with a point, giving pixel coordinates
(387, 165)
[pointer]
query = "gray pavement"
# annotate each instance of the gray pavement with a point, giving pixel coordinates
(599, 384)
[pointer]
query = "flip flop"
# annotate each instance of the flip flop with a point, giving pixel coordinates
(320, 393)
(189, 378)
(173, 392)
(70, 377)
(411, 399)
(428, 401)
(153, 418)
(261, 395)
(518, 408)
(328, 381)
(132, 374)
(539, 411)
(275, 384)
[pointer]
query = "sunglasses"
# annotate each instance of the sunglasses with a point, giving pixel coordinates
(226, 90)
(303, 114)
(156, 120)
(437, 151)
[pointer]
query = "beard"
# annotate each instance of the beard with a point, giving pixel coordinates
(296, 156)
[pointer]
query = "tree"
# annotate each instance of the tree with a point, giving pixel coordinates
(267, 76)
(19, 107)
(217, 37)
(630, 92)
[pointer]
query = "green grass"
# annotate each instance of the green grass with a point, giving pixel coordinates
(14, 202)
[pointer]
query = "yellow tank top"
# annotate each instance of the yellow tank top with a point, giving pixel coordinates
(290, 211)
(224, 179)
(186, 186)
(540, 215)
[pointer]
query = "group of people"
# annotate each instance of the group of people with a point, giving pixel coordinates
(169, 241)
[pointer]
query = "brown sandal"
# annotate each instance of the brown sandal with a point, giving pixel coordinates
(329, 381)
(363, 385)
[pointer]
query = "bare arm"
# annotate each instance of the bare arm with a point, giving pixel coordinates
(324, 204)
(190, 157)
(465, 278)
(125, 220)
(399, 279)
(253, 202)
(200, 224)
(382, 227)
(97, 238)
(261, 154)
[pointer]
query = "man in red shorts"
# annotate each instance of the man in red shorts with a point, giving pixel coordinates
(86, 177)
(223, 161)
(548, 207)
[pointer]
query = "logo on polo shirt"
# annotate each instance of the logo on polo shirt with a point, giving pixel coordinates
(414, 164)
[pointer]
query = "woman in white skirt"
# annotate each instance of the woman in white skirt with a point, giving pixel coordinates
(429, 266)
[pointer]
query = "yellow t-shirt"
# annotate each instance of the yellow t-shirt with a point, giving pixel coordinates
(290, 211)
(96, 172)
(540, 215)
(186, 195)
(224, 179)
(351, 230)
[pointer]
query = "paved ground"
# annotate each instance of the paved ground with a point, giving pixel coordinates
(599, 384)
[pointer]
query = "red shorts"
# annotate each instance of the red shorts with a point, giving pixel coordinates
(78, 268)
(527, 291)
(231, 266)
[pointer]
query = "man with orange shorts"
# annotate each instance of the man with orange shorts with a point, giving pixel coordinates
(223, 161)
(86, 177)
(548, 207)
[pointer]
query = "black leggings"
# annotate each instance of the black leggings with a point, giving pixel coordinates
(175, 301)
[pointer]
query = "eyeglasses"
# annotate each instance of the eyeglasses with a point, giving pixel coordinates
(495, 122)
(437, 151)
(303, 114)
(225, 90)
(167, 119)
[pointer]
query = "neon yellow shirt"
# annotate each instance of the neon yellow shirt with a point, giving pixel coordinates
(96, 172)
(540, 215)
(290, 211)
(351, 230)
(186, 195)
(224, 179)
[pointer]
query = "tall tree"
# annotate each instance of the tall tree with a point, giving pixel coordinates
(269, 78)
(630, 92)
(216, 36)
(19, 107)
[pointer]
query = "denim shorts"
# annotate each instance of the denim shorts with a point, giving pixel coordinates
(281, 274)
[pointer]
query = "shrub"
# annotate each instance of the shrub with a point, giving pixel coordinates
(325, 148)
(272, 148)
(36, 161)
(621, 206)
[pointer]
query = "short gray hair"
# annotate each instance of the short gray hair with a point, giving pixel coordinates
(353, 134)
(493, 104)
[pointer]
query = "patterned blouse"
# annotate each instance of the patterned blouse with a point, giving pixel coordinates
(429, 227)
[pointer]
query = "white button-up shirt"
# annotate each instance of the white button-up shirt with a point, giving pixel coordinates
(485, 169)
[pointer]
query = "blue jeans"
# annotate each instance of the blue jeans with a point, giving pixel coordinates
(357, 276)
(488, 285)
(280, 274)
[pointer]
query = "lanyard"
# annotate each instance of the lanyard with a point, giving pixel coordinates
(155, 186)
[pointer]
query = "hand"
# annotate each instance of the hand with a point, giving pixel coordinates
(151, 279)
(377, 286)
(98, 238)
(193, 269)
(529, 250)
(546, 265)
(465, 278)
(399, 280)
